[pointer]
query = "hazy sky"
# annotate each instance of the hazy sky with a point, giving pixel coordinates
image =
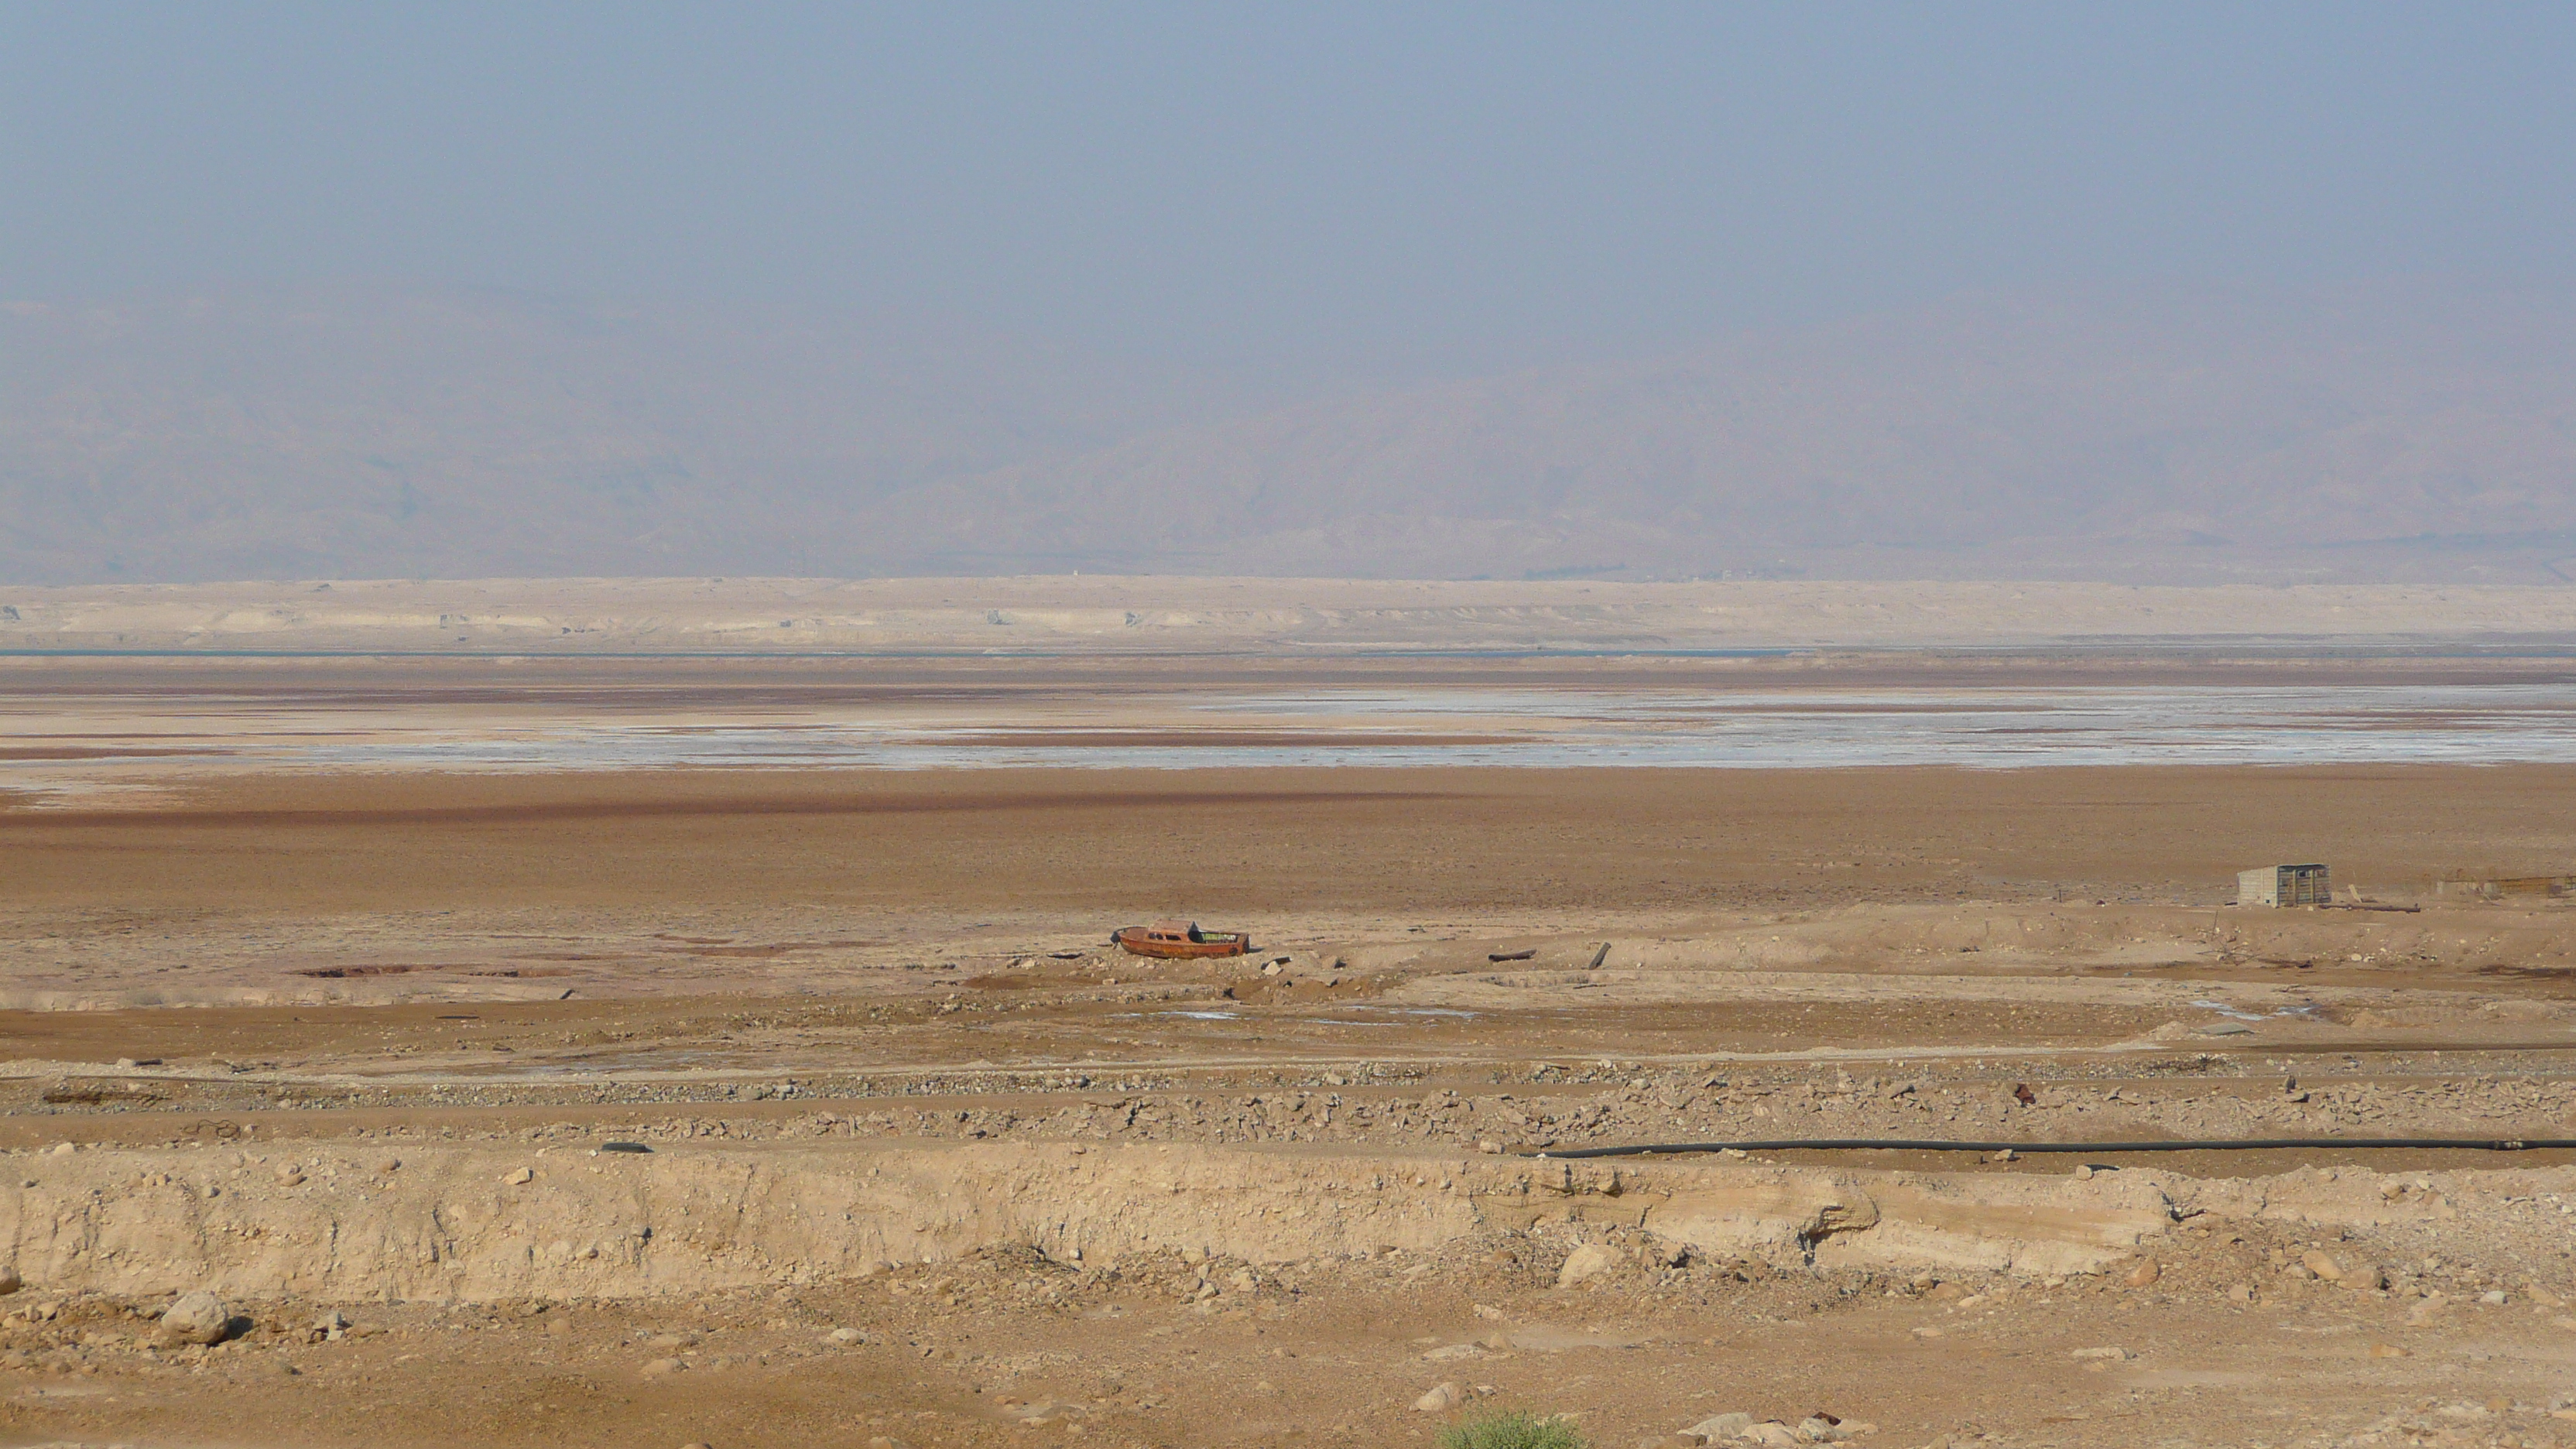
(1353, 189)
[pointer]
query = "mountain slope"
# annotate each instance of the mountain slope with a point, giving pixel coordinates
(2211, 435)
(2406, 434)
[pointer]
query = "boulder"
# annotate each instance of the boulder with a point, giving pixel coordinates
(1588, 1261)
(1442, 1399)
(198, 1317)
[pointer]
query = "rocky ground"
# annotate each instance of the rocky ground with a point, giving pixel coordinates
(748, 1110)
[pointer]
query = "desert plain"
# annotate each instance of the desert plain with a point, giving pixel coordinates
(607, 1015)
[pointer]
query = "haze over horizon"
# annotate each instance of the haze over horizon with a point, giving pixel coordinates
(1665, 292)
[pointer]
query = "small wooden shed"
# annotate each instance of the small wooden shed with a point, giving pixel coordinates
(2283, 885)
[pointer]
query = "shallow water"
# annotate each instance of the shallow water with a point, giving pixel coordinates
(1771, 729)
(2204, 725)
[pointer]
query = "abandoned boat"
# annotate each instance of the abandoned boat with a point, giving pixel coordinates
(1179, 939)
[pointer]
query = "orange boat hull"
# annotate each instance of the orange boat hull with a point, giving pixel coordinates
(1146, 941)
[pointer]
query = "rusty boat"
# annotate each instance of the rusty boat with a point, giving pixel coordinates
(1179, 940)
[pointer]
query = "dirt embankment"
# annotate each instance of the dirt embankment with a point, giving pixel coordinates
(337, 1222)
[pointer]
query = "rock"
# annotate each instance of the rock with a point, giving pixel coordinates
(1723, 1426)
(198, 1317)
(2113, 1352)
(523, 1175)
(1817, 1429)
(660, 1366)
(2386, 1350)
(1455, 1350)
(1588, 1261)
(2322, 1264)
(1946, 1292)
(2240, 1292)
(1772, 1435)
(2427, 1308)
(2494, 1298)
(697, 1444)
(2368, 1278)
(1441, 1399)
(10, 1282)
(847, 1336)
(2147, 1271)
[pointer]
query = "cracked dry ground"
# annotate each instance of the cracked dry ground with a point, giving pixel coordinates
(929, 1167)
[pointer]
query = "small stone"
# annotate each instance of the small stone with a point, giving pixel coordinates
(125, 1064)
(2493, 1298)
(847, 1336)
(10, 1282)
(1442, 1399)
(2147, 1271)
(198, 1317)
(64, 1149)
(1723, 1426)
(1772, 1436)
(2113, 1352)
(2240, 1292)
(1946, 1292)
(1588, 1261)
(1819, 1430)
(523, 1175)
(2322, 1264)
(660, 1366)
(697, 1444)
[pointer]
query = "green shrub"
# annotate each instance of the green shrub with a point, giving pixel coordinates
(1511, 1429)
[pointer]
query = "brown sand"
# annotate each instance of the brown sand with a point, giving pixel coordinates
(866, 1020)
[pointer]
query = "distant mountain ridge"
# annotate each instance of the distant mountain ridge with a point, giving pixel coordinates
(2188, 437)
